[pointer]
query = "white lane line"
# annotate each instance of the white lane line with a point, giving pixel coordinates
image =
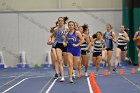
(29, 76)
(14, 85)
(7, 77)
(14, 79)
(41, 91)
(39, 76)
(48, 90)
(43, 76)
(131, 82)
(89, 85)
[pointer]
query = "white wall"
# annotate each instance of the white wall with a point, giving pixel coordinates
(26, 5)
(92, 3)
(28, 31)
(9, 36)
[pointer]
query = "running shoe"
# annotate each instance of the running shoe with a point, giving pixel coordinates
(70, 80)
(62, 79)
(86, 74)
(109, 72)
(114, 69)
(56, 76)
(138, 69)
(73, 76)
(79, 75)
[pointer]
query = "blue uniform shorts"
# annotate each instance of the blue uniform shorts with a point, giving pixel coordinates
(75, 51)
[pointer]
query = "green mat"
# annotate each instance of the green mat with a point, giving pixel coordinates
(38, 65)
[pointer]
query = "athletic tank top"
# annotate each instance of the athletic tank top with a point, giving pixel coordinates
(90, 48)
(98, 46)
(53, 40)
(83, 45)
(138, 41)
(109, 43)
(121, 41)
(72, 39)
(58, 35)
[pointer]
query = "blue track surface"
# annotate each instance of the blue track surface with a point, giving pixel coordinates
(79, 86)
(31, 85)
(116, 84)
(39, 80)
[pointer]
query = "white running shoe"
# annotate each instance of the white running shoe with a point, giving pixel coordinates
(70, 80)
(73, 76)
(62, 79)
(86, 74)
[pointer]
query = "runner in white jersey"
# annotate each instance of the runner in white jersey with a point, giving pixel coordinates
(122, 39)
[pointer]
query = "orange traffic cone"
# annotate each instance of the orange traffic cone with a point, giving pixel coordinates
(121, 71)
(92, 74)
(105, 73)
(133, 71)
(95, 87)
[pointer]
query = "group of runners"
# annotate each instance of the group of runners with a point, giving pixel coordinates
(72, 46)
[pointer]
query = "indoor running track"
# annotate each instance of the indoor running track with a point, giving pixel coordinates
(14, 80)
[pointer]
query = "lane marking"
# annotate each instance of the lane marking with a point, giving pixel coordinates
(7, 77)
(131, 82)
(48, 90)
(90, 88)
(14, 79)
(31, 76)
(14, 85)
(41, 91)
(39, 76)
